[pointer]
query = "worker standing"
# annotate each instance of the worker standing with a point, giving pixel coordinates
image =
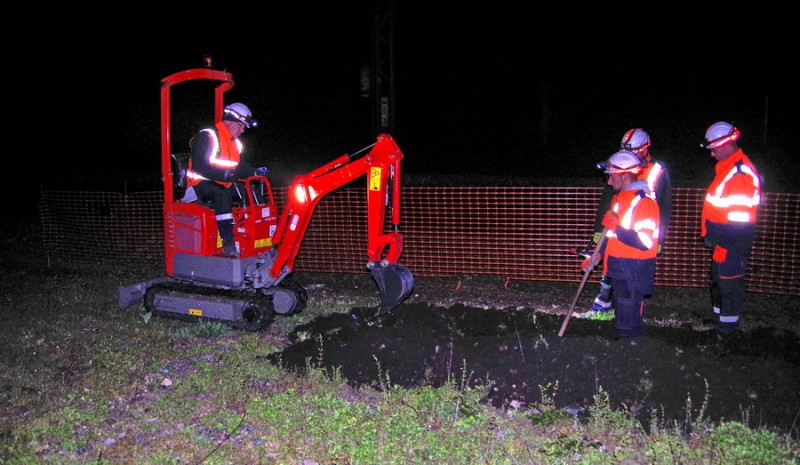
(656, 173)
(659, 182)
(632, 237)
(728, 223)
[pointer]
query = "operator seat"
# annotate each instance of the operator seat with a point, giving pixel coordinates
(181, 192)
(180, 163)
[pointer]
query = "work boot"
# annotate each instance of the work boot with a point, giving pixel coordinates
(229, 249)
(601, 305)
(605, 298)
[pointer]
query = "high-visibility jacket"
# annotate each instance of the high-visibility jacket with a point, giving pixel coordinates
(660, 184)
(212, 155)
(734, 195)
(638, 214)
(630, 250)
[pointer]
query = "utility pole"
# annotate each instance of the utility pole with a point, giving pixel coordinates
(382, 76)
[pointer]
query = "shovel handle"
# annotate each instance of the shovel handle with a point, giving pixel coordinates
(580, 287)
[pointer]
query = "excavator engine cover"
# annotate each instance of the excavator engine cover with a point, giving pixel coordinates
(395, 282)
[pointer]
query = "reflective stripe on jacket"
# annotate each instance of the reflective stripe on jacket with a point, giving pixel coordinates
(651, 173)
(735, 193)
(660, 184)
(224, 154)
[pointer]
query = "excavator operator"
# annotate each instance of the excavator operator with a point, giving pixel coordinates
(216, 165)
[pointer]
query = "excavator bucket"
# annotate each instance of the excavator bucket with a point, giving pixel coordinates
(395, 283)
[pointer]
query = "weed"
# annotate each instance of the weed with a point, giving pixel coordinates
(545, 411)
(203, 328)
(541, 342)
(735, 443)
(603, 416)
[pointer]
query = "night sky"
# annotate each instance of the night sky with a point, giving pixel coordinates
(495, 93)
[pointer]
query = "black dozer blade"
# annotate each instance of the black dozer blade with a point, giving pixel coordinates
(395, 283)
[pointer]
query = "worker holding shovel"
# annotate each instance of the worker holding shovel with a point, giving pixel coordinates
(631, 243)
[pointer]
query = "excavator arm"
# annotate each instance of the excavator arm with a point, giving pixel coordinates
(381, 165)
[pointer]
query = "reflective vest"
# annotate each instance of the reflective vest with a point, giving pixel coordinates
(225, 153)
(660, 185)
(651, 173)
(734, 194)
(637, 210)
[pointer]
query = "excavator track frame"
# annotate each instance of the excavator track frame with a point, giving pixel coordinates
(246, 310)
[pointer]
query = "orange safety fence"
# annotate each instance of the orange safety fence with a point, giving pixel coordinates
(520, 233)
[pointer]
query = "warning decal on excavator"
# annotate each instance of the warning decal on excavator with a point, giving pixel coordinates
(375, 178)
(264, 242)
(195, 312)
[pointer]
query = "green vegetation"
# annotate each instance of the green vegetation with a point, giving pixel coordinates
(86, 383)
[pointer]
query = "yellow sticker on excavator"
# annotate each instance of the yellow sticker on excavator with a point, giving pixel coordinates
(263, 242)
(375, 178)
(195, 312)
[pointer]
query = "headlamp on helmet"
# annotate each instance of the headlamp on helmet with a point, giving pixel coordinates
(635, 140)
(623, 161)
(239, 112)
(720, 133)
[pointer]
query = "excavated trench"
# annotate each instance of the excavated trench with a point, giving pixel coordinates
(513, 353)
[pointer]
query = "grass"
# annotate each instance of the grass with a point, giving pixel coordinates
(85, 383)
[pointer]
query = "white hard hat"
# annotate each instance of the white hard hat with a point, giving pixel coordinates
(720, 133)
(623, 161)
(635, 139)
(241, 113)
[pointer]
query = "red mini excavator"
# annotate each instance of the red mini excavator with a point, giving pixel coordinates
(246, 292)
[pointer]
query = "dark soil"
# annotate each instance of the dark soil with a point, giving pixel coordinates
(453, 330)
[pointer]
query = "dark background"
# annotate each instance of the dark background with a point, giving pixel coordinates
(496, 93)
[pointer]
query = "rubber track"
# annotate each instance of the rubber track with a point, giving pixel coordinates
(258, 299)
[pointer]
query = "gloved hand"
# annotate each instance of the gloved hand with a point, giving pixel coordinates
(229, 176)
(590, 262)
(262, 171)
(597, 236)
(610, 221)
(720, 254)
